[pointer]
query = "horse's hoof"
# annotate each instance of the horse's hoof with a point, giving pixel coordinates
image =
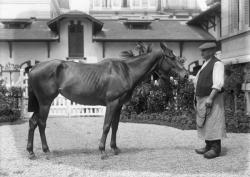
(31, 156)
(46, 150)
(104, 155)
(116, 151)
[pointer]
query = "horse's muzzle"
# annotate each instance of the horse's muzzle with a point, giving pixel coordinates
(186, 76)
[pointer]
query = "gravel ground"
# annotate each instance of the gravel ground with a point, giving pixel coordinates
(147, 151)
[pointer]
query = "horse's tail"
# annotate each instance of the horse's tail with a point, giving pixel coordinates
(33, 105)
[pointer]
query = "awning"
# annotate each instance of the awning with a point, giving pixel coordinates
(97, 25)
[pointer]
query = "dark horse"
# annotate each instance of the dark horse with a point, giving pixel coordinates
(109, 83)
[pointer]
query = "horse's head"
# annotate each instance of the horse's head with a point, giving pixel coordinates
(170, 62)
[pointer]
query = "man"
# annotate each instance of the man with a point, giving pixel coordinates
(210, 116)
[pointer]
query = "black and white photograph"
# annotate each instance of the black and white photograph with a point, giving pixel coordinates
(124, 88)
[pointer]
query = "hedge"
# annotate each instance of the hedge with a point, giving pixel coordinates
(10, 100)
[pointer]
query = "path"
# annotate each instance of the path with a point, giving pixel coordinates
(147, 150)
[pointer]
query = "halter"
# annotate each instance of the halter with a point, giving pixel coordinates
(159, 64)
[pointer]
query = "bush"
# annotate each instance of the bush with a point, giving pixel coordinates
(9, 103)
(172, 104)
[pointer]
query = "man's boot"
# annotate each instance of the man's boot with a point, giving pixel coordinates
(214, 151)
(205, 149)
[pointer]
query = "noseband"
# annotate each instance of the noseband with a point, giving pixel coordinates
(159, 64)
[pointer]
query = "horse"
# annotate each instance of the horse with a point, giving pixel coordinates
(109, 82)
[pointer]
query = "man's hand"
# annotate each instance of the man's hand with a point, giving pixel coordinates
(209, 102)
(210, 98)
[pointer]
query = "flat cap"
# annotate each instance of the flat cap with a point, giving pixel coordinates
(208, 45)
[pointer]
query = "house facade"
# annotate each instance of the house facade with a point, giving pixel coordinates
(49, 29)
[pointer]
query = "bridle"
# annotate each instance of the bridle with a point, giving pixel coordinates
(163, 57)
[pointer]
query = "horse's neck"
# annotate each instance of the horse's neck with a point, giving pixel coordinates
(143, 65)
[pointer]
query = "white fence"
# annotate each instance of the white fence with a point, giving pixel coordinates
(64, 107)
(61, 107)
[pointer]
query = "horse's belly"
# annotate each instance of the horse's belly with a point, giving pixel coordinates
(82, 94)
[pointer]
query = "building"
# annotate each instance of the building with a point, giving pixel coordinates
(229, 22)
(48, 29)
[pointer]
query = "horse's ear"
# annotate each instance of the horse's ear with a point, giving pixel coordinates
(149, 48)
(163, 46)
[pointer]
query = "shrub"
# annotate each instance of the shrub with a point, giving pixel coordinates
(9, 103)
(172, 103)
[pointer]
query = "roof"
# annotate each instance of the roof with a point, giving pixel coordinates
(21, 20)
(36, 31)
(97, 25)
(168, 30)
(205, 14)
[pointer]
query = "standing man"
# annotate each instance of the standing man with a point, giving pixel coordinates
(210, 115)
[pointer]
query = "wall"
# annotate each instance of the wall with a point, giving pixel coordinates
(236, 46)
(114, 49)
(4, 53)
(190, 49)
(92, 50)
(23, 51)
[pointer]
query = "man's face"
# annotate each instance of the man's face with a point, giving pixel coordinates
(207, 53)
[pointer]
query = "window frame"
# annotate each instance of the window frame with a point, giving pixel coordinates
(80, 35)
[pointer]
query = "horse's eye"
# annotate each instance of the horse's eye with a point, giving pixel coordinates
(173, 58)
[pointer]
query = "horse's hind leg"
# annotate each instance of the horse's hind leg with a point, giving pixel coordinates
(115, 124)
(43, 115)
(32, 126)
(109, 117)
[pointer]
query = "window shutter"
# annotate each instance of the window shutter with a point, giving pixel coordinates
(234, 16)
(247, 19)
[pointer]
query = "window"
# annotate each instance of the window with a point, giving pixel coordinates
(138, 25)
(247, 12)
(75, 39)
(116, 4)
(153, 3)
(234, 16)
(16, 24)
(97, 4)
(125, 3)
(142, 4)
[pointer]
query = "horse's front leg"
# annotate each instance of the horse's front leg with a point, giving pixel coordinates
(109, 117)
(115, 124)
